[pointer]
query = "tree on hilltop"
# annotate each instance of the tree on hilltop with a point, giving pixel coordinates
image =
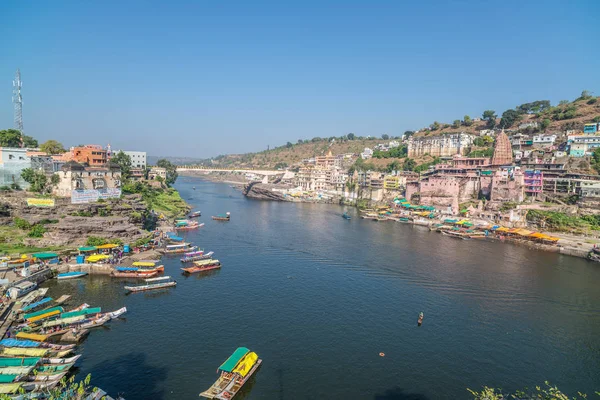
(385, 136)
(509, 117)
(467, 120)
(351, 136)
(490, 117)
(456, 123)
(52, 147)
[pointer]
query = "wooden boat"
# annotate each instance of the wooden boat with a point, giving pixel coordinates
(19, 361)
(50, 369)
(140, 270)
(456, 234)
(17, 371)
(37, 304)
(346, 216)
(198, 257)
(420, 320)
(85, 311)
(95, 322)
(153, 284)
(80, 307)
(32, 336)
(71, 275)
(179, 248)
(195, 214)
(235, 372)
(58, 361)
(46, 378)
(21, 352)
(34, 344)
(133, 274)
(45, 315)
(117, 313)
(222, 217)
(201, 266)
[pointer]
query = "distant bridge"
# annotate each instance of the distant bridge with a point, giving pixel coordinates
(263, 172)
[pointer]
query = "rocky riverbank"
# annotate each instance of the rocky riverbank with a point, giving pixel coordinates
(68, 224)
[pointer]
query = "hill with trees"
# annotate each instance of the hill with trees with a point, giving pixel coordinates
(558, 118)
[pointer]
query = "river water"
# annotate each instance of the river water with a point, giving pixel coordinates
(319, 297)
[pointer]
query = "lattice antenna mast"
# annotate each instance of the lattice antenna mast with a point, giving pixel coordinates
(18, 100)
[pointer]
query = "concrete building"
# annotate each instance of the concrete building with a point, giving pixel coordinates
(88, 184)
(93, 155)
(366, 154)
(12, 162)
(157, 171)
(534, 182)
(439, 146)
(138, 158)
(544, 139)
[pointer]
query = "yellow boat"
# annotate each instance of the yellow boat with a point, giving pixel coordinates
(235, 371)
(144, 264)
(32, 336)
(44, 316)
(24, 352)
(97, 257)
(10, 388)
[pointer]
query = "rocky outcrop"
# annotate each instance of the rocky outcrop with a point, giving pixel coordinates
(72, 224)
(264, 191)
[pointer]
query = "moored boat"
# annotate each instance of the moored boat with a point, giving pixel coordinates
(195, 214)
(34, 344)
(117, 313)
(133, 274)
(346, 216)
(57, 361)
(71, 275)
(235, 372)
(204, 265)
(179, 248)
(153, 284)
(222, 217)
(198, 257)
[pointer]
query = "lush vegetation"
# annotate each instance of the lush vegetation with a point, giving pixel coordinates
(488, 152)
(171, 170)
(38, 180)
(562, 222)
(394, 152)
(99, 241)
(124, 162)
(548, 392)
(14, 138)
(162, 201)
(52, 147)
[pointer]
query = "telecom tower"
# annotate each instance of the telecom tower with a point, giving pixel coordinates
(18, 100)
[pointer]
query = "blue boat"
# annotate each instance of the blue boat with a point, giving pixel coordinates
(36, 304)
(127, 269)
(71, 275)
(346, 216)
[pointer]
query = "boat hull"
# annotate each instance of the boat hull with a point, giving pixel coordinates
(134, 275)
(143, 288)
(69, 275)
(193, 270)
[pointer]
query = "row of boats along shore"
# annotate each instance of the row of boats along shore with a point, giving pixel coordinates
(400, 210)
(40, 348)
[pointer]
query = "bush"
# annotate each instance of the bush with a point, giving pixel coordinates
(592, 101)
(98, 241)
(21, 223)
(37, 231)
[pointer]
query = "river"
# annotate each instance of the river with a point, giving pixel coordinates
(319, 297)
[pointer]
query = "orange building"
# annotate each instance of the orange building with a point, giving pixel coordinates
(94, 155)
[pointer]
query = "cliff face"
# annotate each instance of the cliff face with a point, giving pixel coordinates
(71, 224)
(262, 191)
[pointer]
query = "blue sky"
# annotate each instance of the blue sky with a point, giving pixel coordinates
(202, 78)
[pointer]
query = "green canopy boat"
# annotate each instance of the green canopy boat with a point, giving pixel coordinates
(85, 311)
(235, 358)
(18, 362)
(41, 312)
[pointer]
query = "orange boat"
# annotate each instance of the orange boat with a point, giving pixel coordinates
(201, 266)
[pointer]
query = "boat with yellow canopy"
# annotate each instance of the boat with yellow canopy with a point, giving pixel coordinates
(97, 257)
(235, 372)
